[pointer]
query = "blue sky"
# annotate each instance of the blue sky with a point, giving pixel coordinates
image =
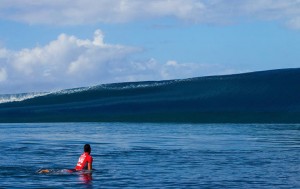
(51, 45)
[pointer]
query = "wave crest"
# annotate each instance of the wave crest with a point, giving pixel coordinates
(19, 97)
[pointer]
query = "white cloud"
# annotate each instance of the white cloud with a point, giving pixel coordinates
(93, 11)
(76, 12)
(64, 62)
(69, 62)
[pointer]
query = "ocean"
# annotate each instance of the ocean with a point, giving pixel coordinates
(151, 155)
(258, 97)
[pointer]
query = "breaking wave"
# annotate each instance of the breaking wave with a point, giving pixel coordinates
(267, 96)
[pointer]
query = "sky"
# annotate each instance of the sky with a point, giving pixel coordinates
(50, 45)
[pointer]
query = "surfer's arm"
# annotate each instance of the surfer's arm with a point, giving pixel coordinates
(43, 171)
(90, 167)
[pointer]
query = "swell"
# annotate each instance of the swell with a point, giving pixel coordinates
(257, 97)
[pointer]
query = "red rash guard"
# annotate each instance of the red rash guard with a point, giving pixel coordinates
(83, 160)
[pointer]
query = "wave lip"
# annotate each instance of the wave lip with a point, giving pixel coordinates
(19, 97)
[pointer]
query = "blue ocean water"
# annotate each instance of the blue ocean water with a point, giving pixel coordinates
(139, 155)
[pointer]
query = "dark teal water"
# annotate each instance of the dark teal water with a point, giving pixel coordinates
(151, 155)
(259, 97)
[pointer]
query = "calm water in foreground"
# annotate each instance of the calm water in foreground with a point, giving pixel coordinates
(151, 155)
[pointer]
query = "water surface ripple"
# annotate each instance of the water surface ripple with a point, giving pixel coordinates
(151, 155)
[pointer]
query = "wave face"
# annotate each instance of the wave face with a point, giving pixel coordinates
(257, 97)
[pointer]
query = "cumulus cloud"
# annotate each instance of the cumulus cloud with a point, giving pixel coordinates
(76, 12)
(68, 62)
(64, 62)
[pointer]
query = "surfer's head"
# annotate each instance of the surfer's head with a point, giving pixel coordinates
(87, 148)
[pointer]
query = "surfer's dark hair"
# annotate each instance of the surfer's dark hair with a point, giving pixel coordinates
(87, 148)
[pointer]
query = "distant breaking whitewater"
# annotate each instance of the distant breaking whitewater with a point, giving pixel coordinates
(257, 97)
(19, 97)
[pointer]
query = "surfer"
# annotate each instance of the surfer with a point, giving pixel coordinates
(85, 161)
